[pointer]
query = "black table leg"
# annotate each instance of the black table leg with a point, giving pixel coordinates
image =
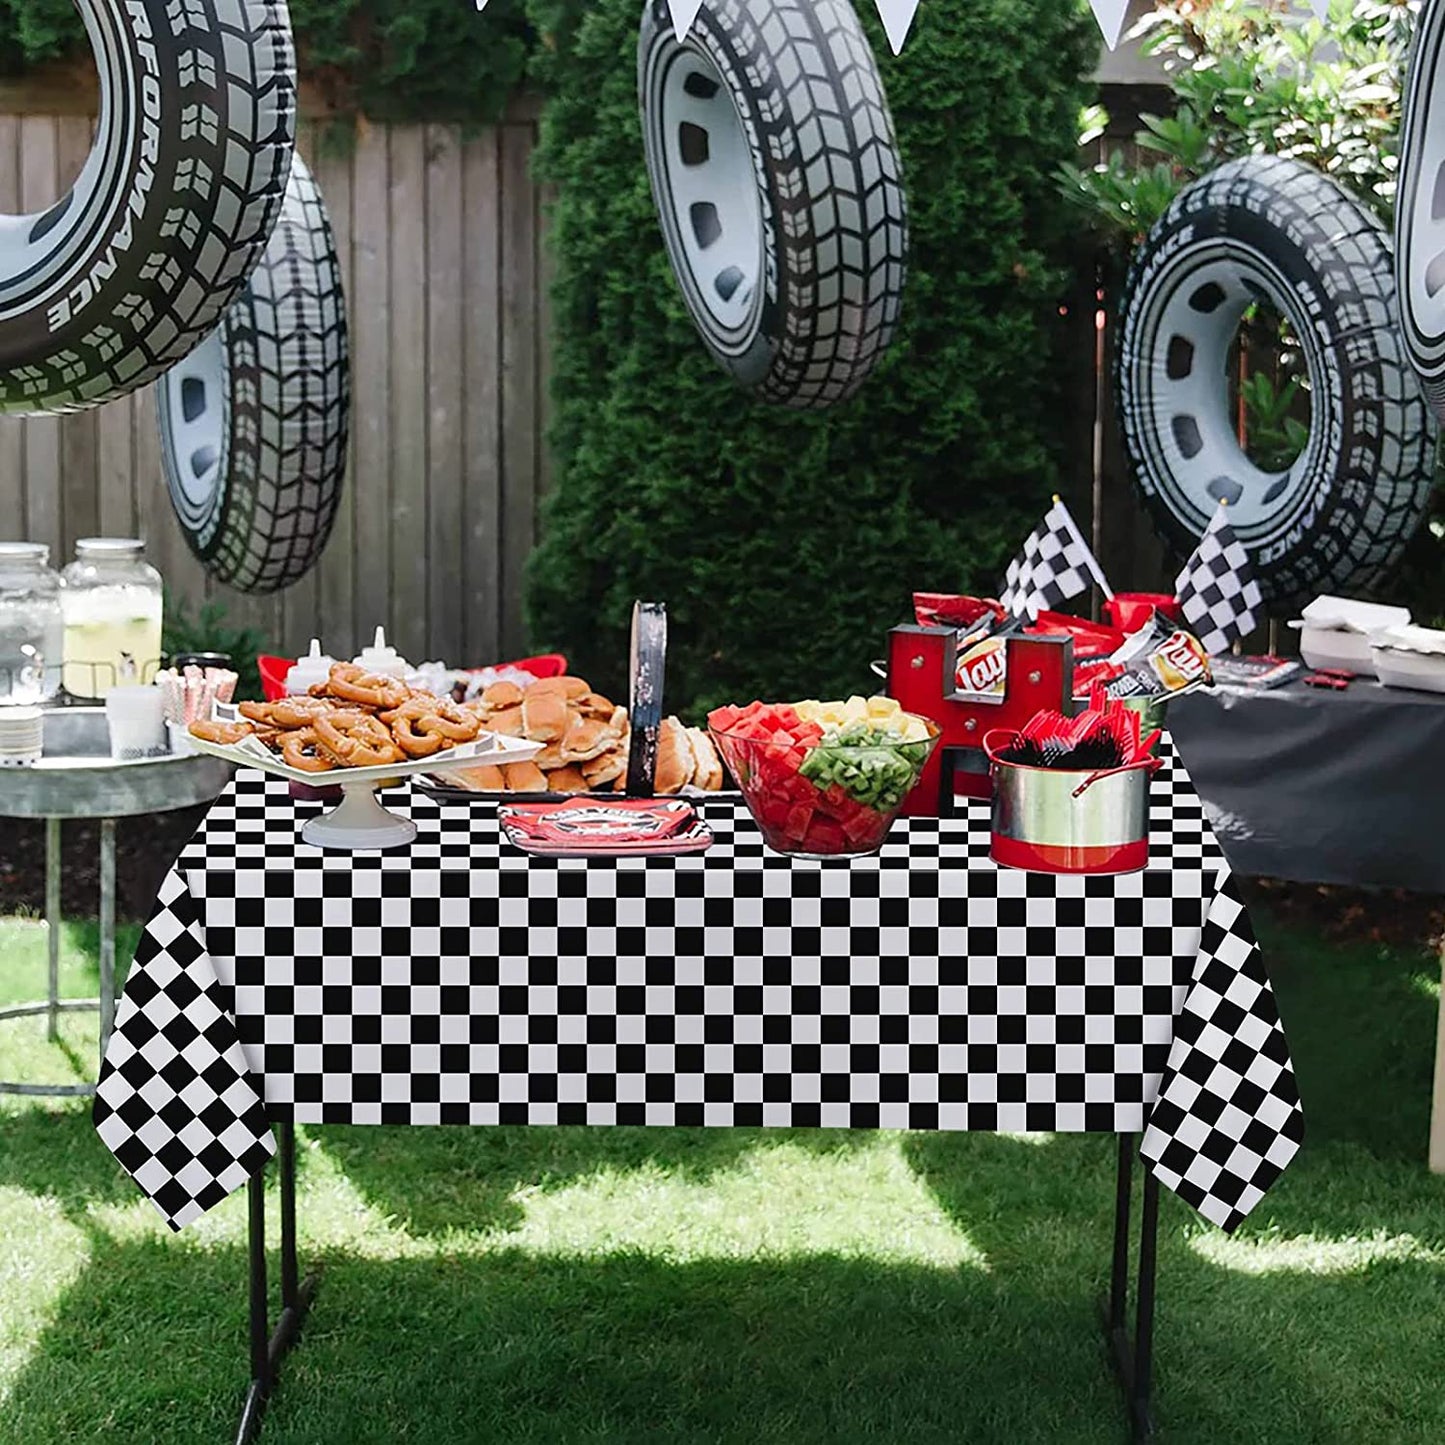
(269, 1347)
(1134, 1358)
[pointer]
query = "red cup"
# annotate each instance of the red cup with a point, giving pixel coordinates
(1129, 611)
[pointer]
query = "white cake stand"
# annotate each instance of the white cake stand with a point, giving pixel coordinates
(359, 822)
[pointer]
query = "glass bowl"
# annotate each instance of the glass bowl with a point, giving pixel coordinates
(826, 815)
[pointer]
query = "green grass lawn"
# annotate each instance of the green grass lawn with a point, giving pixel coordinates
(628, 1285)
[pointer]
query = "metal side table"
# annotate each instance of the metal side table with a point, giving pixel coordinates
(77, 778)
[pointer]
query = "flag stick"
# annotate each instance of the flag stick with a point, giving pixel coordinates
(1088, 553)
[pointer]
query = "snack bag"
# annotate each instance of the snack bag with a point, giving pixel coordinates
(983, 668)
(1164, 664)
(949, 609)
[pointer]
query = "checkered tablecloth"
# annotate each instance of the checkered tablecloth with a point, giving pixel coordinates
(459, 981)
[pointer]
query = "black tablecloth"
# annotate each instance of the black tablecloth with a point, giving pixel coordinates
(1322, 787)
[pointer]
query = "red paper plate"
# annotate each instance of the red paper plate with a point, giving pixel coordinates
(586, 826)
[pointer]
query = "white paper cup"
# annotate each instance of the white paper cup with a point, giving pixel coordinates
(22, 736)
(137, 721)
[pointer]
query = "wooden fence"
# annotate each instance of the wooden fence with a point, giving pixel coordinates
(440, 239)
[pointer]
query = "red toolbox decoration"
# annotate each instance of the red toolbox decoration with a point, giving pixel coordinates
(1010, 679)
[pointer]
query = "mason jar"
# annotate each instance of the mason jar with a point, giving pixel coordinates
(112, 604)
(31, 624)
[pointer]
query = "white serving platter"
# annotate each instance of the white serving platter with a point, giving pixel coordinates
(359, 821)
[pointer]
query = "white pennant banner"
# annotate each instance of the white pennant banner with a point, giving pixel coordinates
(684, 12)
(1110, 15)
(897, 17)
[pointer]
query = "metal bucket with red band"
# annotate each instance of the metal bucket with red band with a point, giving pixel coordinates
(1056, 820)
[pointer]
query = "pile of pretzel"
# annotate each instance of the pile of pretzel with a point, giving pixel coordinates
(354, 719)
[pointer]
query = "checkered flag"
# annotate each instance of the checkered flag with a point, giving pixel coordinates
(1217, 588)
(1055, 564)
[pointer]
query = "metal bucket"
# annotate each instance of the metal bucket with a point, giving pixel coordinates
(1048, 820)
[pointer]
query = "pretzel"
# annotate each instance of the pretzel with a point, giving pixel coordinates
(356, 740)
(459, 730)
(413, 743)
(212, 730)
(370, 689)
(287, 712)
(300, 750)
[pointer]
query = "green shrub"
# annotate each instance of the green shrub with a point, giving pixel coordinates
(785, 544)
(392, 59)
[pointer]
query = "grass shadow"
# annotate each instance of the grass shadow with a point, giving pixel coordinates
(55, 1152)
(440, 1180)
(148, 1344)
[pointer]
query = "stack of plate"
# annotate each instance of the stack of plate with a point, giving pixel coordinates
(22, 736)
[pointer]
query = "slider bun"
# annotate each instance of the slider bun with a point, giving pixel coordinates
(707, 766)
(675, 762)
(502, 694)
(564, 687)
(586, 738)
(508, 722)
(524, 778)
(544, 715)
(487, 778)
(567, 780)
(605, 769)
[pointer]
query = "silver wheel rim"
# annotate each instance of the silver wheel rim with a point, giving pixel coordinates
(195, 420)
(35, 248)
(711, 187)
(1180, 366)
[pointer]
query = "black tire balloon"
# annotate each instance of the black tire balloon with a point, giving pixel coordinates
(1264, 228)
(128, 271)
(254, 421)
(1420, 207)
(771, 155)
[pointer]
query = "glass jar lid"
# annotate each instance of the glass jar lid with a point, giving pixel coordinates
(25, 552)
(109, 548)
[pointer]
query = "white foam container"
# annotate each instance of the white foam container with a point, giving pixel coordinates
(1331, 648)
(1412, 657)
(1335, 632)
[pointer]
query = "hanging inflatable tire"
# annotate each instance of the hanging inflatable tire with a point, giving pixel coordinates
(770, 151)
(1420, 207)
(124, 274)
(1268, 229)
(254, 421)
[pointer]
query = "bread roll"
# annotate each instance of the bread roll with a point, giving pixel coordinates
(707, 771)
(605, 769)
(484, 779)
(593, 704)
(586, 738)
(508, 722)
(563, 687)
(524, 778)
(675, 762)
(550, 757)
(502, 694)
(567, 780)
(544, 715)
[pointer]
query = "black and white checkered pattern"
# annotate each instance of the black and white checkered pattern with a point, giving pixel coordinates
(1053, 566)
(460, 981)
(1217, 590)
